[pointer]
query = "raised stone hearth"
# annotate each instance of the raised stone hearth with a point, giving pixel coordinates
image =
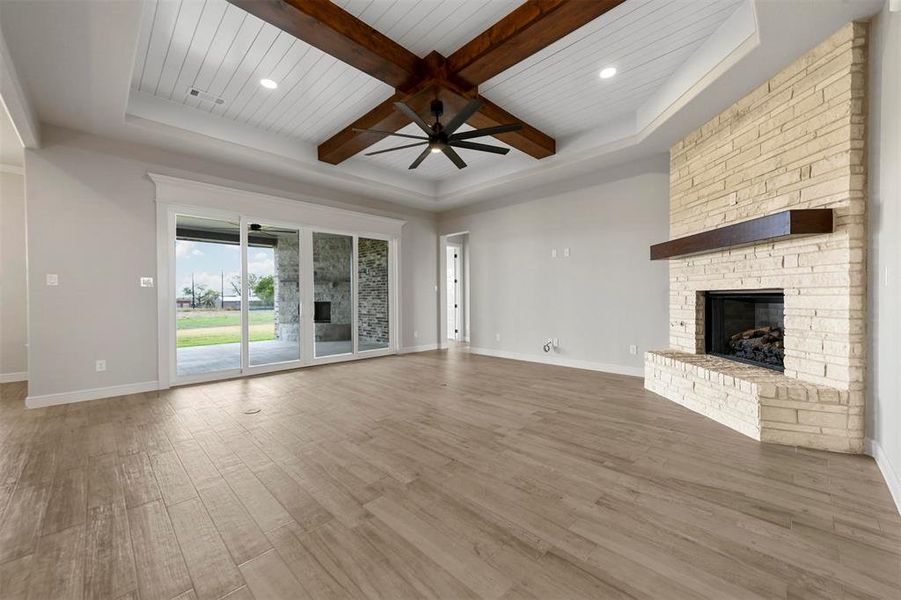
(795, 142)
(761, 403)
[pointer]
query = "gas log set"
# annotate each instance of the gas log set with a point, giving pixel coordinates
(760, 344)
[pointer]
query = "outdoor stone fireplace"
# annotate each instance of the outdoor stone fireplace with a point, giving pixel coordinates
(795, 142)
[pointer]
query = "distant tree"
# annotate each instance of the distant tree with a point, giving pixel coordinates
(235, 282)
(264, 288)
(207, 298)
(194, 293)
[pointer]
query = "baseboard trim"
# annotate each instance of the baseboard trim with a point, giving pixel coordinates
(90, 394)
(13, 377)
(422, 348)
(892, 480)
(562, 362)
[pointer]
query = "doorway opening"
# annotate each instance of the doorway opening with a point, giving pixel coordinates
(455, 303)
(207, 295)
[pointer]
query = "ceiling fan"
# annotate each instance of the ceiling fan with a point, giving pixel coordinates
(441, 138)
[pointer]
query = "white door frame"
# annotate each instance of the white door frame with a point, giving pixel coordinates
(182, 196)
(457, 291)
(442, 289)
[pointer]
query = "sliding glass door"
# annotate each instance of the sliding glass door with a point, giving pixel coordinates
(273, 294)
(252, 296)
(373, 297)
(333, 293)
(207, 295)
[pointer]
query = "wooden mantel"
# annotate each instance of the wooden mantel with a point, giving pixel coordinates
(779, 225)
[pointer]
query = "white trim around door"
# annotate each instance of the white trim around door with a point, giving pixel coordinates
(176, 196)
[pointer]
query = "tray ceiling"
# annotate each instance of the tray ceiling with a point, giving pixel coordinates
(558, 89)
(224, 51)
(421, 26)
(215, 47)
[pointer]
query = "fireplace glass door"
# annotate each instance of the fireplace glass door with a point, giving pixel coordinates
(746, 326)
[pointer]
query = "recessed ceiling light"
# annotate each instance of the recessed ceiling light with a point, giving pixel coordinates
(608, 72)
(268, 84)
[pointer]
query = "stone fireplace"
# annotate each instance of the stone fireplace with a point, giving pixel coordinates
(795, 142)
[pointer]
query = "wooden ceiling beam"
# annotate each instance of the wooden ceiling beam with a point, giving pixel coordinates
(328, 27)
(417, 81)
(385, 117)
(531, 27)
(529, 139)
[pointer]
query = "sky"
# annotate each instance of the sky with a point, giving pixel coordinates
(207, 261)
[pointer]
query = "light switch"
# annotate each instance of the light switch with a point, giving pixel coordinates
(566, 253)
(52, 279)
(146, 281)
(553, 253)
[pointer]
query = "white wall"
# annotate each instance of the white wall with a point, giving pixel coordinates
(884, 408)
(13, 339)
(92, 221)
(605, 296)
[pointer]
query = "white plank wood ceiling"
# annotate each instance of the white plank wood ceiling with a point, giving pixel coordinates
(224, 51)
(559, 89)
(421, 26)
(216, 47)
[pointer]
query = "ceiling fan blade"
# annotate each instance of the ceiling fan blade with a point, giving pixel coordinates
(479, 147)
(465, 135)
(396, 148)
(411, 114)
(420, 158)
(380, 132)
(467, 111)
(455, 158)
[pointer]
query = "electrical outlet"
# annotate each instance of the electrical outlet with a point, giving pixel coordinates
(633, 349)
(497, 337)
(101, 365)
(52, 279)
(146, 281)
(556, 342)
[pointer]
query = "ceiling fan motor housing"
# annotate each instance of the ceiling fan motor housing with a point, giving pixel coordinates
(437, 108)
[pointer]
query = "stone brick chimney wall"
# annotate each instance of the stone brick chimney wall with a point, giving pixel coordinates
(797, 141)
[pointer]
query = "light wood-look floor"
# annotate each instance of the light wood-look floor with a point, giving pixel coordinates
(434, 475)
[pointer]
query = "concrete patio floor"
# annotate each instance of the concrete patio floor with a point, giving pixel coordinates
(197, 360)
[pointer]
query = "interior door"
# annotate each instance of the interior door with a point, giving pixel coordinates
(453, 293)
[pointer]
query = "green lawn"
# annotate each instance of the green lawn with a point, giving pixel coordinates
(224, 337)
(194, 319)
(212, 327)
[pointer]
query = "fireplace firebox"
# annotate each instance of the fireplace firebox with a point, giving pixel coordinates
(746, 326)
